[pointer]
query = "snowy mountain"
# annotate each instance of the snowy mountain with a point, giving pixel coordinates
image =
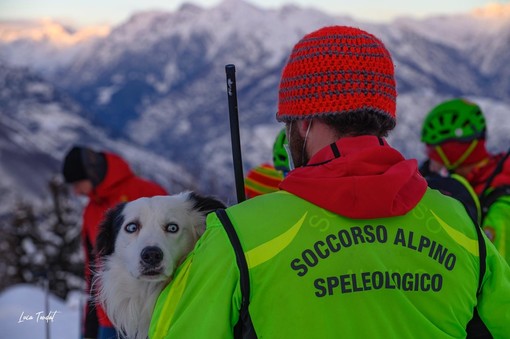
(44, 45)
(38, 124)
(157, 81)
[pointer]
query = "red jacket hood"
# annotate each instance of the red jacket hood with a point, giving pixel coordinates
(117, 170)
(366, 179)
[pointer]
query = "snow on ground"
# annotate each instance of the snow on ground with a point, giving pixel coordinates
(23, 314)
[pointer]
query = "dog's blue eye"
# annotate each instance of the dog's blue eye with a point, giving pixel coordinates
(131, 227)
(172, 228)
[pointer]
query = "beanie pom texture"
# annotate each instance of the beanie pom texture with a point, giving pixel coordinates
(336, 70)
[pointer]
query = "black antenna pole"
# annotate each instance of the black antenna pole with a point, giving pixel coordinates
(230, 70)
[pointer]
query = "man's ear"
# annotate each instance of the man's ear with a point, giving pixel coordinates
(302, 126)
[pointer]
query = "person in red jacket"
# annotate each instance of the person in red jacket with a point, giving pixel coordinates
(106, 179)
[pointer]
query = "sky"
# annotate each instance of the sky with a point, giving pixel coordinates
(111, 12)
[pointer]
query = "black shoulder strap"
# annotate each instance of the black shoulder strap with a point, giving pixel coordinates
(482, 254)
(244, 328)
(476, 328)
(457, 189)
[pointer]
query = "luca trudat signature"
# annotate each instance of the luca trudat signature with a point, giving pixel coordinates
(38, 316)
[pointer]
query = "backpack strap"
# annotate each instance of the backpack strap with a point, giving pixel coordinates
(482, 254)
(244, 328)
(476, 328)
(458, 188)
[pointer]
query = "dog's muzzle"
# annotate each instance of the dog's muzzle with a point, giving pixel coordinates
(151, 258)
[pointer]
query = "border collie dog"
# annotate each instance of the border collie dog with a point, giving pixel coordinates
(139, 246)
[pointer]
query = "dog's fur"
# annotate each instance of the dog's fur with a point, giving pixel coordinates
(138, 250)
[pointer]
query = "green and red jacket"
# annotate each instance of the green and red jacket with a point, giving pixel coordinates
(354, 246)
(496, 221)
(496, 225)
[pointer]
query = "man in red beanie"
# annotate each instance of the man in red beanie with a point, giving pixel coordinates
(354, 245)
(106, 179)
(455, 134)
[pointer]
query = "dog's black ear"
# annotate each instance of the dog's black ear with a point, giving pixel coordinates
(108, 230)
(205, 204)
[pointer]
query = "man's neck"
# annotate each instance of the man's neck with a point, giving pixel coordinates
(319, 136)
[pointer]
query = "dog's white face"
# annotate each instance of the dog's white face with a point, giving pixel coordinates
(156, 234)
(151, 236)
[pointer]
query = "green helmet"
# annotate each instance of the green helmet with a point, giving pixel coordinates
(456, 119)
(280, 156)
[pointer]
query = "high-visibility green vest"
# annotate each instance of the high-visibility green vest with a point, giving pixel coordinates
(496, 225)
(315, 274)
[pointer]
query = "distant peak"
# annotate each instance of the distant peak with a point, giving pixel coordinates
(189, 7)
(493, 10)
(235, 3)
(48, 29)
(146, 15)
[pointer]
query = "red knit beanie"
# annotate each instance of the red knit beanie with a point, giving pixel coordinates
(336, 70)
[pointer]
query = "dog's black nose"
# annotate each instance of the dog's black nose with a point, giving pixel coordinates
(152, 255)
